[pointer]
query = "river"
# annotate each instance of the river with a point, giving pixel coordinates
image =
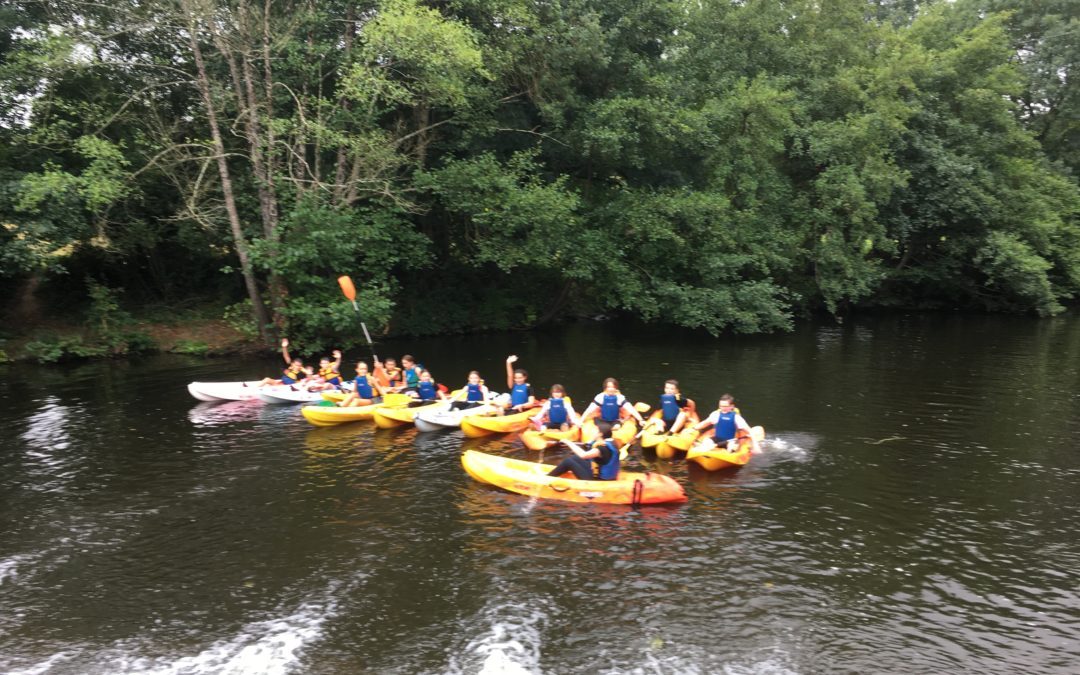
(915, 510)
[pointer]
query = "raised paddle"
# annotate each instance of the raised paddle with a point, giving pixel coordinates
(349, 291)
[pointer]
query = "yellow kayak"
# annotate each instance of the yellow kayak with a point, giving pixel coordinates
(476, 426)
(328, 416)
(716, 459)
(530, 478)
(538, 440)
(389, 417)
(665, 445)
(624, 434)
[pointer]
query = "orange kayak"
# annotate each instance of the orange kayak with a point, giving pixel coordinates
(531, 479)
(476, 426)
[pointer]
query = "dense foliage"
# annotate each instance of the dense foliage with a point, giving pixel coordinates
(500, 163)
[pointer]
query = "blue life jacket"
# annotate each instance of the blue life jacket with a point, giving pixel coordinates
(609, 409)
(725, 427)
(476, 393)
(669, 408)
(363, 387)
(609, 470)
(519, 394)
(412, 378)
(557, 414)
(427, 391)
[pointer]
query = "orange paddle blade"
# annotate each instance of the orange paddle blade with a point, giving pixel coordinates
(347, 287)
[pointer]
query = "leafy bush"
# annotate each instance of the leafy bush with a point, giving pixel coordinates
(239, 318)
(191, 347)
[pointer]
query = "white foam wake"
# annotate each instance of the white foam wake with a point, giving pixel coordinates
(273, 646)
(509, 641)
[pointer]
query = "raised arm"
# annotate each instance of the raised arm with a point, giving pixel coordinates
(337, 360)
(285, 351)
(510, 361)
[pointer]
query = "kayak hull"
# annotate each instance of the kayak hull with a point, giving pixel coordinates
(288, 396)
(531, 479)
(439, 420)
(666, 445)
(477, 426)
(224, 391)
(718, 459)
(391, 417)
(624, 434)
(328, 416)
(539, 440)
(325, 416)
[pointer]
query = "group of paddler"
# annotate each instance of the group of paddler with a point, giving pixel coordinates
(595, 457)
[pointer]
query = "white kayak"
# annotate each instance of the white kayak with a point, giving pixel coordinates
(437, 420)
(224, 391)
(287, 395)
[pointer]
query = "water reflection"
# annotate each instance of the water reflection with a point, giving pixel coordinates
(914, 510)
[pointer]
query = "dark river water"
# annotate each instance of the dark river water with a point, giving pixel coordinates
(915, 510)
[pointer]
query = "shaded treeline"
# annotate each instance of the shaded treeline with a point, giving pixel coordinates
(500, 163)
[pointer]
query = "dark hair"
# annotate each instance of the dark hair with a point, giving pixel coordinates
(408, 357)
(611, 380)
(475, 372)
(727, 397)
(524, 373)
(674, 383)
(558, 389)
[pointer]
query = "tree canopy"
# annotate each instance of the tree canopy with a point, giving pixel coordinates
(729, 166)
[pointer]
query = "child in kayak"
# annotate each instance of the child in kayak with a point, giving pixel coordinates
(674, 409)
(521, 393)
(411, 373)
(365, 389)
(605, 454)
(610, 404)
(388, 376)
(329, 374)
(727, 423)
(556, 412)
(294, 371)
(426, 389)
(473, 394)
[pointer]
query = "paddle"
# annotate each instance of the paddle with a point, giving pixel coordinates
(349, 291)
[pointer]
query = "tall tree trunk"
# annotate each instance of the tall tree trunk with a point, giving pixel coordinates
(343, 103)
(239, 241)
(278, 289)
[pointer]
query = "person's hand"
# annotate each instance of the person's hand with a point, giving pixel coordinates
(512, 358)
(337, 353)
(284, 342)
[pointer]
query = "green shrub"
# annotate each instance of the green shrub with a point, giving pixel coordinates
(191, 347)
(239, 318)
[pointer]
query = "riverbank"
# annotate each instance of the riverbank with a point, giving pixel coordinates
(57, 341)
